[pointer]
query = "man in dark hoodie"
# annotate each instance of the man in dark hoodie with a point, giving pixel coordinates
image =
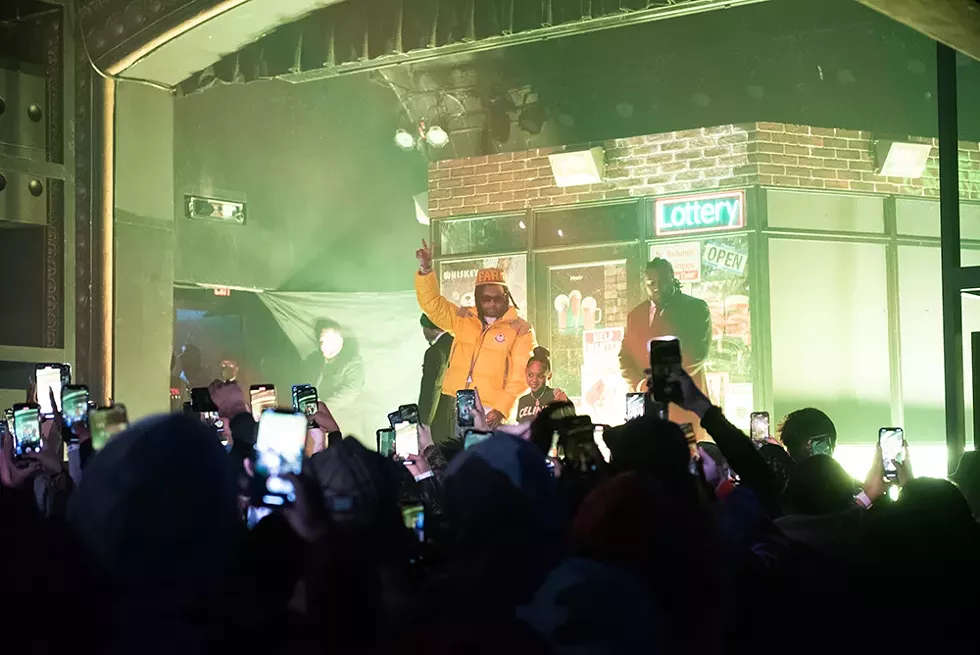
(156, 513)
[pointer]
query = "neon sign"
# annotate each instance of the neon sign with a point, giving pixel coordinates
(703, 213)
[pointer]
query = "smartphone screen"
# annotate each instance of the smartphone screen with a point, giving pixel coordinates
(759, 426)
(213, 421)
(74, 405)
(278, 451)
(50, 378)
(414, 518)
(386, 441)
(473, 437)
(262, 397)
(201, 402)
(104, 422)
(821, 445)
(465, 404)
(27, 430)
(689, 435)
(892, 442)
(635, 405)
(305, 401)
(407, 439)
(409, 413)
(394, 418)
(665, 360)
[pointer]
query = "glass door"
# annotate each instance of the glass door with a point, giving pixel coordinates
(582, 299)
(716, 270)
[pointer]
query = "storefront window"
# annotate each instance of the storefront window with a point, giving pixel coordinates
(825, 211)
(921, 304)
(830, 333)
(482, 235)
(918, 217)
(457, 279)
(588, 308)
(715, 269)
(579, 225)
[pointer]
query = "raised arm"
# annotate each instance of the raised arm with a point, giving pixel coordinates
(439, 310)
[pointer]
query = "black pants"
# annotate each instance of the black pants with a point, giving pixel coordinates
(444, 424)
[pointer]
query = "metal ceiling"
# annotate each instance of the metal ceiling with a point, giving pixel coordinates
(955, 23)
(225, 34)
(358, 35)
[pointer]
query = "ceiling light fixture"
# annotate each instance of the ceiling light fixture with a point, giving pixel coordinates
(404, 140)
(437, 137)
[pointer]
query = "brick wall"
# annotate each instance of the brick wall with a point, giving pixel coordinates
(724, 156)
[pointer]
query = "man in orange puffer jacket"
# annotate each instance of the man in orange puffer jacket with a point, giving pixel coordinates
(492, 343)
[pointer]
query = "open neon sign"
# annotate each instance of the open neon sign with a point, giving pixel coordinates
(703, 213)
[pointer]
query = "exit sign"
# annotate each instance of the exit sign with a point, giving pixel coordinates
(222, 291)
(710, 212)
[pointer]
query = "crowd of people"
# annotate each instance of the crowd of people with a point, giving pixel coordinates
(533, 541)
(551, 535)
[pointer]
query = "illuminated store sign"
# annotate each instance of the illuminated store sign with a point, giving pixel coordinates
(703, 213)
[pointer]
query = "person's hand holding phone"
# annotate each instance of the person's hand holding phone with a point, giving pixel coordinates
(875, 483)
(11, 475)
(692, 398)
(31, 397)
(425, 438)
(424, 255)
(49, 457)
(480, 417)
(58, 420)
(306, 515)
(324, 419)
(904, 467)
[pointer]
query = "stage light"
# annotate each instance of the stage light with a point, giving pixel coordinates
(898, 159)
(437, 137)
(404, 140)
(499, 108)
(532, 118)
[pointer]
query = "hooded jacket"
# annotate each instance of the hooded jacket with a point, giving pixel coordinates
(492, 360)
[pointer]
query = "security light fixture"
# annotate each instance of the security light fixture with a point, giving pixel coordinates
(901, 159)
(578, 168)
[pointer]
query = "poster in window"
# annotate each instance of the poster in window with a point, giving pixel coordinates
(720, 277)
(457, 279)
(584, 299)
